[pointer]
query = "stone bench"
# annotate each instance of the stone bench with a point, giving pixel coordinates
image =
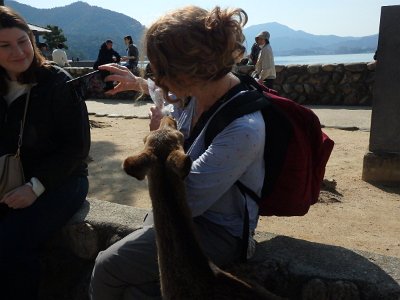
(290, 267)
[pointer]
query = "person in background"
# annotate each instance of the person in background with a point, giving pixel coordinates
(238, 58)
(55, 143)
(44, 49)
(106, 55)
(265, 66)
(132, 55)
(255, 51)
(201, 84)
(60, 57)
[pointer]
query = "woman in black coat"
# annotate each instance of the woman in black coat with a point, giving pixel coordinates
(55, 144)
(106, 55)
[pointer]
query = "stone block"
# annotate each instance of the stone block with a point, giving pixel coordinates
(294, 68)
(328, 67)
(351, 100)
(287, 88)
(337, 77)
(299, 269)
(356, 77)
(314, 69)
(331, 88)
(292, 78)
(355, 67)
(383, 168)
(371, 66)
(309, 89)
(385, 121)
(279, 68)
(290, 267)
(299, 88)
(301, 99)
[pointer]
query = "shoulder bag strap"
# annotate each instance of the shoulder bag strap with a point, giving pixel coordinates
(21, 131)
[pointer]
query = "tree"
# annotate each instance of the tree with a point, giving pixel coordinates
(55, 37)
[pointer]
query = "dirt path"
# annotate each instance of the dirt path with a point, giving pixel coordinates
(357, 215)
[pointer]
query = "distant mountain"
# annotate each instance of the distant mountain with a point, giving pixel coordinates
(286, 41)
(86, 27)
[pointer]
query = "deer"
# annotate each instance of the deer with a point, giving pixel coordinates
(185, 271)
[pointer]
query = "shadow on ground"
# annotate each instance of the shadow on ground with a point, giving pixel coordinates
(388, 188)
(107, 179)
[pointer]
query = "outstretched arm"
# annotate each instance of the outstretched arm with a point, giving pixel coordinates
(126, 80)
(125, 58)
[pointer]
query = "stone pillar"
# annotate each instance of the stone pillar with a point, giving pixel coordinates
(382, 162)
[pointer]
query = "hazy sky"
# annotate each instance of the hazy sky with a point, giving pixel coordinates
(338, 17)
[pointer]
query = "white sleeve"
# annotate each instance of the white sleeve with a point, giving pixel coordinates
(37, 186)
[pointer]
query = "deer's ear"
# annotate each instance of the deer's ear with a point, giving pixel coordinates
(145, 139)
(138, 165)
(179, 163)
(168, 122)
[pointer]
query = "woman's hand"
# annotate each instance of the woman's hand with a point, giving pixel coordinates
(21, 197)
(155, 117)
(126, 80)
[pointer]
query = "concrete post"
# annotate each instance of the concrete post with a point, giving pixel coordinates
(382, 162)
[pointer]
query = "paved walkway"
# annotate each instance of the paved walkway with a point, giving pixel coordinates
(346, 117)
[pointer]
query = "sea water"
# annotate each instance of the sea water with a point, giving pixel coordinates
(313, 59)
(324, 59)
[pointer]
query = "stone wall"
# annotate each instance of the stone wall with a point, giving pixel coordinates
(330, 84)
(318, 84)
(325, 84)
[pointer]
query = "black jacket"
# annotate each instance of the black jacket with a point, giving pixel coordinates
(105, 56)
(132, 50)
(56, 137)
(255, 51)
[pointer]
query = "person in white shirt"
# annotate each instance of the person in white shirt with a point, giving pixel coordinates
(265, 66)
(60, 57)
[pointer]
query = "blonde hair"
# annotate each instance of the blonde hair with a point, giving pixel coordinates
(194, 43)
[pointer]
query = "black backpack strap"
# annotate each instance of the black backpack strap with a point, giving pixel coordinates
(241, 105)
(245, 233)
(246, 219)
(205, 116)
(245, 103)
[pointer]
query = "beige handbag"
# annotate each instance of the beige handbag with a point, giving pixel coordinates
(11, 171)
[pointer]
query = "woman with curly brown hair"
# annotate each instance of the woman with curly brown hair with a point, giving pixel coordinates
(191, 52)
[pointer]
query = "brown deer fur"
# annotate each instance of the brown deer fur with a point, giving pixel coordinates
(185, 272)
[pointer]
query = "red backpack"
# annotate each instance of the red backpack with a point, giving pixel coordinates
(296, 150)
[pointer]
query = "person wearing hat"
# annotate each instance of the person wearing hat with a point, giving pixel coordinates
(265, 66)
